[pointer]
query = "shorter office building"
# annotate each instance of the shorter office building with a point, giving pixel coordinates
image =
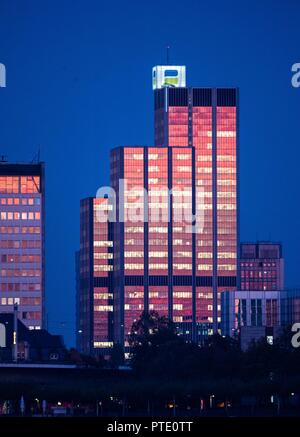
(94, 301)
(251, 315)
(261, 266)
(22, 241)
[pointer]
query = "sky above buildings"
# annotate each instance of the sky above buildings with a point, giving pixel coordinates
(79, 83)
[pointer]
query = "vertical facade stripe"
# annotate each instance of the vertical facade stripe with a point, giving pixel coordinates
(146, 235)
(194, 252)
(91, 268)
(238, 188)
(121, 255)
(215, 211)
(170, 236)
(194, 261)
(166, 118)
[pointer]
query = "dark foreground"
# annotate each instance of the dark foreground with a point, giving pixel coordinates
(114, 393)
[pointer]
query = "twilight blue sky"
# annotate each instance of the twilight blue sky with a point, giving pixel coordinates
(79, 83)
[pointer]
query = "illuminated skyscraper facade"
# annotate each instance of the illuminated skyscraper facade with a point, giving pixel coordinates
(22, 235)
(175, 233)
(206, 119)
(94, 303)
(152, 272)
(178, 266)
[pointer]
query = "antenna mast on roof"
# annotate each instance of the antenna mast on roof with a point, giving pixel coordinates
(168, 55)
(36, 157)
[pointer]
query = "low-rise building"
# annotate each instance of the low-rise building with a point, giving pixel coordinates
(251, 315)
(20, 344)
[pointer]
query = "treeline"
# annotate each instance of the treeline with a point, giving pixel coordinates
(165, 367)
(157, 351)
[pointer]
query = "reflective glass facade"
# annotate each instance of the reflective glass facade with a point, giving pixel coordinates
(22, 267)
(174, 240)
(95, 300)
(157, 240)
(206, 120)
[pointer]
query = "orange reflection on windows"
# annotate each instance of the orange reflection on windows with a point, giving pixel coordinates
(30, 184)
(178, 126)
(9, 184)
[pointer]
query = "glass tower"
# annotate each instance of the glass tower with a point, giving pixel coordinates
(22, 235)
(205, 119)
(175, 237)
(94, 302)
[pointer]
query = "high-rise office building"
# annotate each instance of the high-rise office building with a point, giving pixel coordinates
(144, 261)
(166, 265)
(174, 240)
(22, 235)
(206, 119)
(261, 266)
(94, 303)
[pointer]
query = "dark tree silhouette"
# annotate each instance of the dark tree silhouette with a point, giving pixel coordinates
(151, 329)
(116, 356)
